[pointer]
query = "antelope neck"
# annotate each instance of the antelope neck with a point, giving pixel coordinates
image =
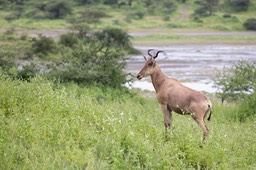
(157, 78)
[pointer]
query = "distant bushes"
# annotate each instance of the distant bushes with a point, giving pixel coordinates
(51, 10)
(250, 24)
(238, 84)
(43, 45)
(69, 39)
(97, 59)
(88, 16)
(239, 5)
(115, 36)
(247, 109)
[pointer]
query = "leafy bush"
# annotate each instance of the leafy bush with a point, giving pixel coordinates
(69, 40)
(247, 109)
(236, 82)
(200, 10)
(116, 37)
(13, 16)
(86, 2)
(110, 2)
(88, 16)
(27, 72)
(240, 5)
(59, 9)
(250, 24)
(98, 60)
(134, 15)
(169, 7)
(44, 45)
(82, 28)
(227, 16)
(7, 58)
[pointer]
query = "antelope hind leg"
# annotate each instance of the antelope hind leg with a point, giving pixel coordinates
(202, 124)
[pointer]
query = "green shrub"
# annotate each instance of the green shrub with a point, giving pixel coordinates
(135, 15)
(169, 7)
(236, 82)
(59, 9)
(114, 37)
(227, 16)
(98, 60)
(247, 109)
(7, 58)
(82, 28)
(27, 72)
(88, 16)
(43, 45)
(201, 10)
(250, 24)
(69, 40)
(13, 16)
(240, 5)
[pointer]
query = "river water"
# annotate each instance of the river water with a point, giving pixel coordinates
(194, 65)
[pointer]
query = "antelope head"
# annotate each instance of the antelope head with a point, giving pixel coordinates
(149, 66)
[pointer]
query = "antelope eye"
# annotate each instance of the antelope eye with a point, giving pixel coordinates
(150, 63)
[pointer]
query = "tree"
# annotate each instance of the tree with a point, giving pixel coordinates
(206, 7)
(211, 4)
(236, 82)
(98, 59)
(59, 9)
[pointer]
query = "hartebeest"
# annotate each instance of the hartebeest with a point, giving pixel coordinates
(173, 96)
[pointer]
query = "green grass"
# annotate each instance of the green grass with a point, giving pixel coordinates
(178, 38)
(52, 126)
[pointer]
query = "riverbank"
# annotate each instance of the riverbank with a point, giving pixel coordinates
(193, 64)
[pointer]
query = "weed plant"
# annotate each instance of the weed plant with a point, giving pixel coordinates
(46, 125)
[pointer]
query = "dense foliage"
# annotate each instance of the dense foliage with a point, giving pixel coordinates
(240, 5)
(62, 9)
(54, 126)
(93, 61)
(96, 59)
(250, 24)
(238, 81)
(43, 45)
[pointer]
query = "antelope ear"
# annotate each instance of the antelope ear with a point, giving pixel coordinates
(145, 58)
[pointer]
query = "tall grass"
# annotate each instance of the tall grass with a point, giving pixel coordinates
(45, 125)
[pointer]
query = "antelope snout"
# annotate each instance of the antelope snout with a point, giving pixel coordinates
(139, 77)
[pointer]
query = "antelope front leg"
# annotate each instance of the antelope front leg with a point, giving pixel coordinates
(167, 117)
(167, 121)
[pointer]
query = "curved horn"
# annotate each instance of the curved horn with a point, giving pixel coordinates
(158, 53)
(145, 58)
(149, 52)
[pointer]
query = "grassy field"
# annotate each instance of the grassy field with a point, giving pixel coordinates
(194, 37)
(45, 125)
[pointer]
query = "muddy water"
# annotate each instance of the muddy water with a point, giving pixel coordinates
(194, 65)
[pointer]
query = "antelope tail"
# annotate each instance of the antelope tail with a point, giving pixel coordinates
(209, 118)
